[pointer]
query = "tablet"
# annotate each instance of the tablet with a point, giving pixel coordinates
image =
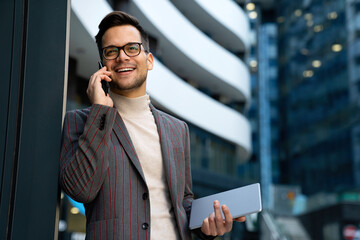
(241, 201)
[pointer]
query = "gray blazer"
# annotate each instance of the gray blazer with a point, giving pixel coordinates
(100, 168)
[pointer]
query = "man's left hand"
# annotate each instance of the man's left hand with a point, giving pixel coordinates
(215, 225)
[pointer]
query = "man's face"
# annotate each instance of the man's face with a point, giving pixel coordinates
(128, 74)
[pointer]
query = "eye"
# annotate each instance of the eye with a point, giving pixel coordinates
(132, 47)
(111, 51)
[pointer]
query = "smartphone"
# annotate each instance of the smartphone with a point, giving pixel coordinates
(105, 85)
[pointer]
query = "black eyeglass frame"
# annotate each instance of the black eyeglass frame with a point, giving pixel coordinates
(122, 48)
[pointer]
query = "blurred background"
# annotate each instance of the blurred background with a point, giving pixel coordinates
(271, 92)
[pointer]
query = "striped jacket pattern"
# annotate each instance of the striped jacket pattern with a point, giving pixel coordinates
(100, 168)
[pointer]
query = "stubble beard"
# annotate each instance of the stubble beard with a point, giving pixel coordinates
(138, 82)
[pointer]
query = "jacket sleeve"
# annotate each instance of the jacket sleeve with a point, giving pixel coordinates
(84, 151)
(188, 194)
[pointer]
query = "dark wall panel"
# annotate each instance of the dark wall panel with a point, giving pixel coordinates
(33, 69)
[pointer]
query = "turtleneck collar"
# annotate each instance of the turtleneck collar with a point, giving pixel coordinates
(131, 107)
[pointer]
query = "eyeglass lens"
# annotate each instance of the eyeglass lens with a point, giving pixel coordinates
(130, 49)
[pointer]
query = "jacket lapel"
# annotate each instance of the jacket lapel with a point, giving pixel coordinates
(166, 150)
(124, 138)
(166, 144)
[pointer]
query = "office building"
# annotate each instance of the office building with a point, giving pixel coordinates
(319, 105)
(319, 94)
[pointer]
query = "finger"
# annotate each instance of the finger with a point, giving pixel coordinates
(220, 223)
(106, 78)
(95, 91)
(96, 79)
(218, 215)
(212, 225)
(205, 227)
(104, 69)
(100, 74)
(228, 218)
(93, 79)
(240, 219)
(108, 73)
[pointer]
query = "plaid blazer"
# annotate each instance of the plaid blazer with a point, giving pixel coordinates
(100, 168)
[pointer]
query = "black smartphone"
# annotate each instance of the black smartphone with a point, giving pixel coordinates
(105, 85)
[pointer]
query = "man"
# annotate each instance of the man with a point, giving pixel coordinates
(128, 162)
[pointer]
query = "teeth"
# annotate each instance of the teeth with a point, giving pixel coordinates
(125, 69)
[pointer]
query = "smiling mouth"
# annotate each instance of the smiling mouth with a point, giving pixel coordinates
(120, 70)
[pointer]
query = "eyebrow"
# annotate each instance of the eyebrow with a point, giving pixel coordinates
(122, 45)
(110, 46)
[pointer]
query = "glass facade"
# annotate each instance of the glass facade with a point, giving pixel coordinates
(268, 108)
(318, 116)
(263, 113)
(212, 153)
(250, 171)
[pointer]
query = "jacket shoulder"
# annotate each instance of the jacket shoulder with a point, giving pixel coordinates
(78, 113)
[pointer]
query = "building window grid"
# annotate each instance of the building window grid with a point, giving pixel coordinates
(332, 99)
(212, 153)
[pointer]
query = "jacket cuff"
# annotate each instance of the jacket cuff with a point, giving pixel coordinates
(201, 235)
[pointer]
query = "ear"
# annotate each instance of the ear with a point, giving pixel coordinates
(150, 61)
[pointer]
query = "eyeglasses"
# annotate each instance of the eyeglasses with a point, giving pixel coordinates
(131, 49)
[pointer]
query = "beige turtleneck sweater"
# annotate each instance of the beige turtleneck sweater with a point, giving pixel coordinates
(143, 132)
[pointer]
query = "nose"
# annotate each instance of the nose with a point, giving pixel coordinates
(122, 56)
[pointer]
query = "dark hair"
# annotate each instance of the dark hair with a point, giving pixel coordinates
(119, 18)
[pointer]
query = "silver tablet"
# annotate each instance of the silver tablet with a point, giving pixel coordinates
(241, 201)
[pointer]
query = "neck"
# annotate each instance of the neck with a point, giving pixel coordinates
(131, 107)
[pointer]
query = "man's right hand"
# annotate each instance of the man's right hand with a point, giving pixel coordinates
(95, 91)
